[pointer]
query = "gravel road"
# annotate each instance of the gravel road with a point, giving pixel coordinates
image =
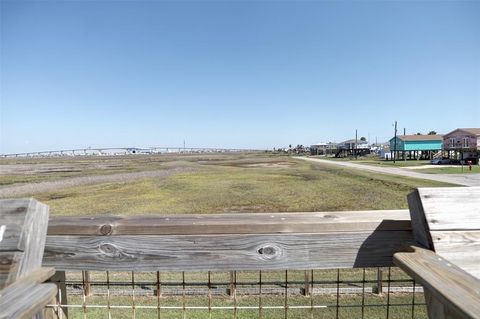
(458, 179)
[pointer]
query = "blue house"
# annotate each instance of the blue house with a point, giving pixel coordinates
(416, 146)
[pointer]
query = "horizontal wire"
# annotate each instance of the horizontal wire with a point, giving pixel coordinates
(231, 307)
(201, 283)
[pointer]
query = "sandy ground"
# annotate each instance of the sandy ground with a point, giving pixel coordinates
(458, 179)
(49, 186)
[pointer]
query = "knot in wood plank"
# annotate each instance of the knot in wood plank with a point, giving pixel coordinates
(269, 251)
(111, 250)
(106, 229)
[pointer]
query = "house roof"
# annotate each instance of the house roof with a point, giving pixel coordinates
(436, 137)
(324, 144)
(353, 141)
(474, 131)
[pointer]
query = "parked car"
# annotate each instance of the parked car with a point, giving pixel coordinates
(441, 161)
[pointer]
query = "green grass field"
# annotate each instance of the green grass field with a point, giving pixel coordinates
(222, 184)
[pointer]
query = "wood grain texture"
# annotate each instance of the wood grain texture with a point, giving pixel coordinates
(24, 223)
(420, 228)
(227, 241)
(451, 208)
(437, 310)
(450, 286)
(25, 300)
(246, 223)
(34, 235)
(36, 276)
(9, 265)
(225, 252)
(12, 217)
(447, 220)
(23, 226)
(461, 248)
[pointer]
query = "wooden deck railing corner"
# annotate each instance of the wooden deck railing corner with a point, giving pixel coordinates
(442, 229)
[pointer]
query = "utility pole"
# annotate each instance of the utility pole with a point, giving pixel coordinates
(395, 144)
(404, 132)
(356, 141)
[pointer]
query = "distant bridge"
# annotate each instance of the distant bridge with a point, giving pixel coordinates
(111, 151)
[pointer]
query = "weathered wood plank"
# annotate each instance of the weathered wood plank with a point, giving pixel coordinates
(245, 223)
(23, 231)
(459, 247)
(36, 276)
(12, 220)
(34, 235)
(420, 228)
(451, 208)
(23, 224)
(25, 300)
(225, 252)
(227, 241)
(9, 265)
(447, 220)
(437, 310)
(454, 292)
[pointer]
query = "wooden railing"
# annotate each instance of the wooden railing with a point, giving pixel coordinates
(228, 241)
(23, 230)
(269, 241)
(450, 291)
(28, 295)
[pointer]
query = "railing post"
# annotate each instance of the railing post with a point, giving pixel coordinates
(232, 290)
(379, 281)
(59, 279)
(87, 288)
(307, 289)
(23, 232)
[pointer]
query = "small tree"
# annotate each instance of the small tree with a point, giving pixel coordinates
(419, 133)
(363, 139)
(432, 133)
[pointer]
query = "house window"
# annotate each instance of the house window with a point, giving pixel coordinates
(452, 142)
(465, 142)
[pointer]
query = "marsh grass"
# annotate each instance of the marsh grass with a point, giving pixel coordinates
(255, 184)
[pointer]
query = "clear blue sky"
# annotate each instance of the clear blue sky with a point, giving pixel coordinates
(233, 74)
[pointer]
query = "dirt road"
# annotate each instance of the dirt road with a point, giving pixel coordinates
(458, 179)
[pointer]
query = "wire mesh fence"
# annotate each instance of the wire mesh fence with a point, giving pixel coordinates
(335, 293)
